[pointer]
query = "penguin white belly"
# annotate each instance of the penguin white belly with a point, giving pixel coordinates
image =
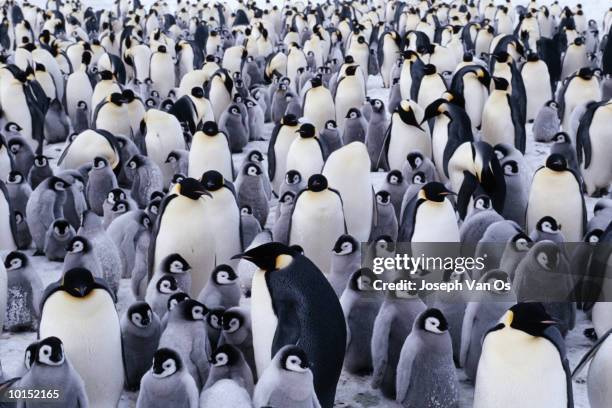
(460, 161)
(558, 196)
(162, 138)
(78, 88)
(600, 377)
(162, 75)
(184, 230)
(316, 224)
(114, 119)
(390, 52)
(319, 107)
(599, 173)
(210, 153)
(295, 60)
(349, 95)
(15, 109)
(475, 95)
(219, 98)
(497, 126)
(405, 139)
(5, 163)
(305, 156)
(86, 147)
(439, 139)
(432, 87)
(483, 42)
(223, 217)
(537, 85)
(101, 91)
(264, 322)
(575, 58)
(7, 243)
(519, 371)
(89, 328)
(348, 171)
(284, 139)
(435, 222)
(405, 81)
(578, 92)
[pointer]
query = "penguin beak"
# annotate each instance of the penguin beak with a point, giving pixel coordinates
(81, 290)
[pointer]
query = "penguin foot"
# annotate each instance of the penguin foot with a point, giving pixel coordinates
(590, 334)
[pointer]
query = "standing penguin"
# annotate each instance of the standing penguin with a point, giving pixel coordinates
(284, 275)
(39, 171)
(146, 177)
(375, 133)
(577, 89)
(288, 381)
(251, 191)
(306, 152)
(228, 362)
(537, 79)
(24, 289)
(360, 303)
(100, 181)
(237, 331)
(501, 119)
(210, 151)
(44, 207)
(231, 123)
(283, 135)
(140, 332)
(167, 382)
(222, 289)
(317, 221)
(556, 192)
(388, 52)
(318, 104)
(355, 127)
(91, 332)
(562, 144)
(350, 93)
(330, 137)
(56, 239)
(546, 123)
(426, 374)
(524, 346)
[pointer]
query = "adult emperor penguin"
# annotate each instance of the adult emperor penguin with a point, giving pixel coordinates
(350, 93)
(306, 152)
(283, 135)
(80, 311)
(318, 106)
(283, 276)
(317, 221)
(577, 89)
(427, 86)
(537, 84)
(388, 53)
(347, 171)
(593, 146)
(182, 227)
(210, 151)
(471, 83)
(501, 120)
(556, 192)
(8, 239)
(523, 362)
(88, 145)
(405, 134)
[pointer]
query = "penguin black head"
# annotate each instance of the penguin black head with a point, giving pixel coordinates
(225, 355)
(115, 195)
(594, 236)
(349, 59)
(162, 49)
(166, 284)
(192, 188)
(532, 57)
(269, 257)
(105, 75)
(501, 84)
(434, 109)
(175, 263)
(289, 120)
(496, 275)
(153, 206)
(429, 69)
(193, 310)
(13, 128)
(331, 124)
(210, 128)
(293, 358)
(501, 56)
(415, 159)
(510, 168)
(529, 317)
(521, 242)
(586, 73)
(41, 161)
(15, 177)
(50, 352)
(15, 260)
(561, 137)
(395, 177)
(345, 245)
(136, 162)
(432, 321)
(579, 41)
(128, 95)
(197, 92)
(215, 317)
(57, 184)
(377, 105)
(556, 162)
(232, 321)
(140, 314)
(78, 244)
(60, 227)
(351, 70)
(100, 163)
(383, 197)
(252, 169)
(316, 82)
(166, 362)
(547, 254)
(482, 202)
(353, 113)
(468, 57)
(288, 197)
(224, 275)
(547, 224)
(79, 282)
(434, 191)
(306, 130)
(317, 183)
(212, 180)
(419, 178)
(362, 280)
(30, 355)
(255, 156)
(175, 299)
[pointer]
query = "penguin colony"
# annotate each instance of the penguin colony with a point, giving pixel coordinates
(243, 272)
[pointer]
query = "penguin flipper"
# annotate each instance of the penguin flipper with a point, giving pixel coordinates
(590, 354)
(469, 185)
(383, 161)
(519, 126)
(271, 154)
(466, 331)
(404, 370)
(380, 346)
(583, 137)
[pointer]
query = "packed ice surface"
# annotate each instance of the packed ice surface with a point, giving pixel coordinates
(353, 391)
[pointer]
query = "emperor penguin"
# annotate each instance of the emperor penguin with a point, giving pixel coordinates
(575, 57)
(283, 135)
(501, 119)
(318, 106)
(599, 369)
(318, 219)
(547, 228)
(375, 132)
(252, 192)
(417, 162)
(389, 47)
(222, 290)
(167, 382)
(45, 206)
(112, 115)
(24, 290)
(405, 134)
(8, 239)
(146, 176)
(524, 345)
(56, 239)
(347, 172)
(556, 191)
(360, 304)
(22, 153)
(80, 311)
(229, 363)
(579, 88)
(220, 92)
(88, 145)
(305, 153)
(537, 79)
(472, 83)
(350, 93)
(19, 191)
(39, 171)
(426, 375)
(546, 123)
(100, 181)
(232, 124)
(592, 148)
(237, 331)
(182, 227)
(210, 151)
(288, 381)
(161, 71)
(427, 86)
(283, 274)
(51, 367)
(562, 144)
